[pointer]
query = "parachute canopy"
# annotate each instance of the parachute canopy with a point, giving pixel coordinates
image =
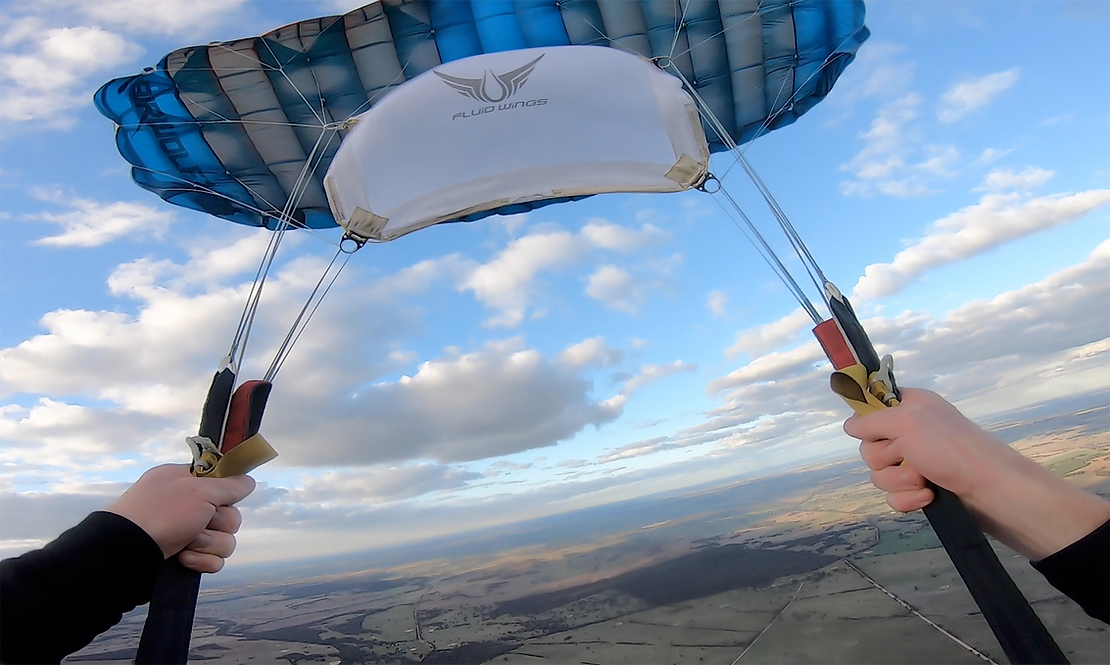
(505, 130)
(244, 129)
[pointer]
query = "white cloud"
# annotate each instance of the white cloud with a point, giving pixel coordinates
(55, 53)
(43, 75)
(73, 436)
(716, 302)
(885, 139)
(1064, 311)
(992, 155)
(973, 93)
(994, 220)
(496, 401)
(637, 449)
(940, 160)
(381, 483)
(125, 358)
(615, 288)
(166, 17)
(1056, 121)
(603, 235)
(886, 163)
(1029, 179)
(505, 468)
(651, 373)
(771, 367)
(593, 351)
(1042, 341)
(149, 371)
(91, 224)
(767, 336)
(506, 283)
(877, 72)
(344, 6)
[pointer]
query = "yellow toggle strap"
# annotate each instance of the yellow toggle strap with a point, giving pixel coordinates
(851, 383)
(242, 459)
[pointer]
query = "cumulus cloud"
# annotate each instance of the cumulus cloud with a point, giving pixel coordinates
(344, 6)
(44, 72)
(147, 372)
(91, 224)
(1039, 342)
(651, 373)
(109, 355)
(166, 17)
(973, 93)
(503, 467)
(39, 516)
(637, 449)
(1064, 311)
(991, 155)
(615, 288)
(994, 220)
(899, 156)
(54, 53)
(878, 72)
(885, 140)
(67, 435)
(1029, 179)
(593, 351)
(894, 159)
(767, 336)
(716, 302)
(772, 366)
(506, 283)
(495, 401)
(381, 483)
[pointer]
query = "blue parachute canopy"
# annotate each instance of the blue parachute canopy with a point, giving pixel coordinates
(244, 130)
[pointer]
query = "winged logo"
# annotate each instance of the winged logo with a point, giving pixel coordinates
(508, 83)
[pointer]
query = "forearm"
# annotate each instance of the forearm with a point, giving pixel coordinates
(57, 599)
(1030, 509)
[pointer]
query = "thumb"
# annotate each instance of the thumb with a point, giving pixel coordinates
(227, 491)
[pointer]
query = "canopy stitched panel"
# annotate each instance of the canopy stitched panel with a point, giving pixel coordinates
(226, 128)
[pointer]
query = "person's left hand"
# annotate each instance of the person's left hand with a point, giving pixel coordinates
(208, 550)
(194, 518)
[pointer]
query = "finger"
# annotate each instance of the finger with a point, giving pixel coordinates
(227, 519)
(879, 454)
(874, 426)
(897, 479)
(202, 563)
(907, 502)
(227, 491)
(217, 543)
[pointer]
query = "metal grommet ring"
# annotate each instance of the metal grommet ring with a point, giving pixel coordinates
(663, 62)
(351, 243)
(711, 185)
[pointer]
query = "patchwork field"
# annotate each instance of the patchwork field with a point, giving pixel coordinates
(771, 571)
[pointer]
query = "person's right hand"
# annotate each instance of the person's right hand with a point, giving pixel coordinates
(1012, 497)
(934, 440)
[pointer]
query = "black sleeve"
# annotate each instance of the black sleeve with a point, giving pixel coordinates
(1082, 571)
(57, 599)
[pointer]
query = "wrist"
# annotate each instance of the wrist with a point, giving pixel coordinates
(1030, 509)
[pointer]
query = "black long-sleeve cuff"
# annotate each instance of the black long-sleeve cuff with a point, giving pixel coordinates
(57, 599)
(1082, 572)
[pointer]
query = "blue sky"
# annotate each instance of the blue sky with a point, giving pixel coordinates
(956, 181)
